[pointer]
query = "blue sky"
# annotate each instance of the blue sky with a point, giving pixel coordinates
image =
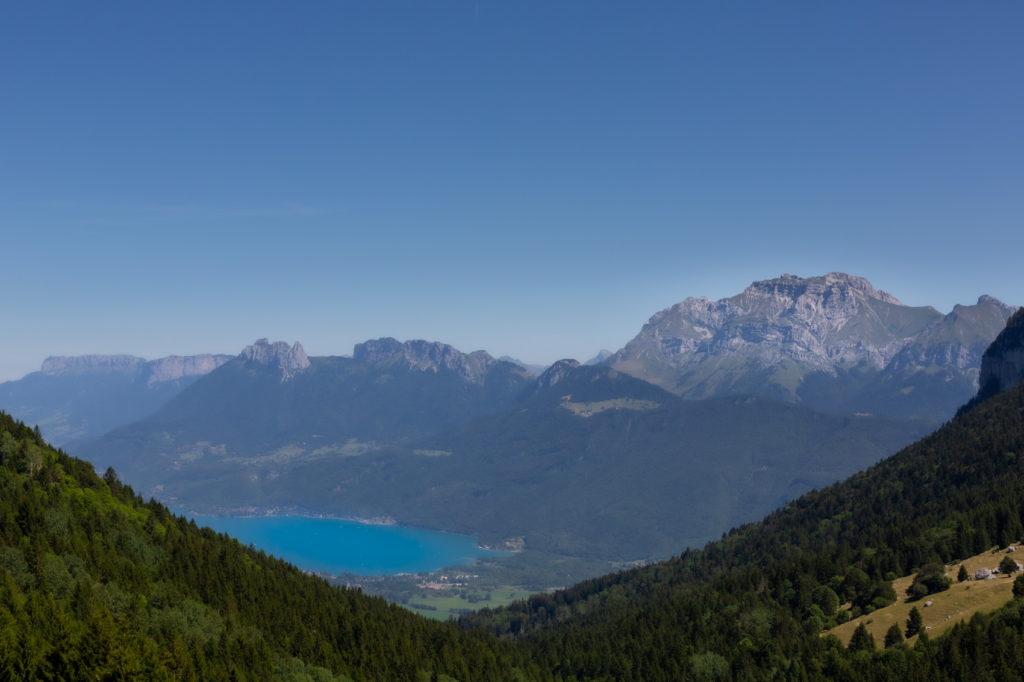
(531, 178)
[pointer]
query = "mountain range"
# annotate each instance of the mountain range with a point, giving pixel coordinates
(833, 342)
(736, 406)
(87, 395)
(96, 584)
(272, 403)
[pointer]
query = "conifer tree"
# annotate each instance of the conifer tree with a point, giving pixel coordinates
(862, 639)
(914, 622)
(893, 636)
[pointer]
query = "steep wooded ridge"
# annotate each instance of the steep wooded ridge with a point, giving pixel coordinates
(96, 584)
(752, 605)
(87, 395)
(833, 342)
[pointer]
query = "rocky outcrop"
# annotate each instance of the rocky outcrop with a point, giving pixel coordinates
(290, 359)
(425, 356)
(1002, 365)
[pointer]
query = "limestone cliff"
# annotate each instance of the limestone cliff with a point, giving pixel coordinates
(1002, 366)
(290, 359)
(833, 341)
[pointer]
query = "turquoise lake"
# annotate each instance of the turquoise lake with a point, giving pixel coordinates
(335, 546)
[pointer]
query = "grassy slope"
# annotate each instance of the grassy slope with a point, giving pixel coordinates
(955, 605)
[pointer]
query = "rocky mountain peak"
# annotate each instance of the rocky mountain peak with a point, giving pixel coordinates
(425, 356)
(291, 359)
(601, 356)
(833, 327)
(821, 321)
(821, 287)
(556, 372)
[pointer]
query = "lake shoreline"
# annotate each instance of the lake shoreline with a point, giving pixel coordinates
(331, 545)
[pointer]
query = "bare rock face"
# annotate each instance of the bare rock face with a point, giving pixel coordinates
(818, 320)
(959, 340)
(151, 371)
(425, 356)
(291, 359)
(175, 367)
(1002, 366)
(775, 333)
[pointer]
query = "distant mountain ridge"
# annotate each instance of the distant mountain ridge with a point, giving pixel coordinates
(274, 402)
(153, 371)
(833, 342)
(426, 356)
(82, 396)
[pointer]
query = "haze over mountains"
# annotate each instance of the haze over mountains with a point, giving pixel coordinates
(94, 583)
(736, 406)
(87, 395)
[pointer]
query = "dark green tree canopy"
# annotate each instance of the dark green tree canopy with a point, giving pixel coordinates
(929, 580)
(893, 636)
(914, 622)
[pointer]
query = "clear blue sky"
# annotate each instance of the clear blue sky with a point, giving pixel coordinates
(531, 178)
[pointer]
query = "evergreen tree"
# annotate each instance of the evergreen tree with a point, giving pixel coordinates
(962, 575)
(893, 636)
(862, 640)
(929, 580)
(914, 622)
(1018, 587)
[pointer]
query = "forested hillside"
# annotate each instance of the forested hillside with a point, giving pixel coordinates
(754, 604)
(248, 414)
(96, 584)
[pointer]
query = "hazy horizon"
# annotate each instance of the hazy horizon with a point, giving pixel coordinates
(529, 179)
